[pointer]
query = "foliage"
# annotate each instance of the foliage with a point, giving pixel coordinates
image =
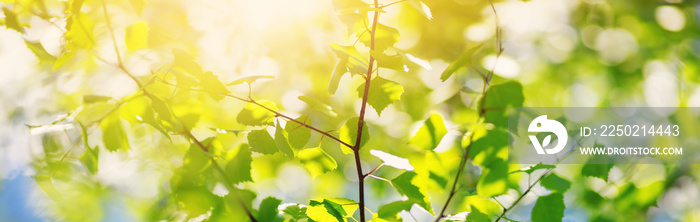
(231, 144)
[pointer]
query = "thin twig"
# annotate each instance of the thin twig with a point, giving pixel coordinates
(186, 132)
(361, 119)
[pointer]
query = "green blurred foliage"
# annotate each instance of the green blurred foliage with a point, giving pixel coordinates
(435, 99)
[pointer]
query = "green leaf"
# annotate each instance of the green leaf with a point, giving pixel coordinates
(90, 156)
(408, 185)
(430, 134)
(137, 35)
(315, 104)
(210, 83)
(338, 73)
(598, 166)
(555, 183)
(597, 170)
(493, 180)
(384, 37)
(333, 209)
(538, 166)
(80, 31)
(254, 115)
(298, 135)
(353, 13)
(282, 141)
(249, 79)
(11, 20)
(40, 52)
(392, 161)
(498, 98)
(87, 99)
(548, 208)
(233, 202)
(348, 134)
(260, 141)
(476, 216)
(268, 209)
(317, 161)
(113, 134)
(196, 160)
(382, 92)
(422, 8)
(238, 168)
(195, 200)
(464, 60)
(186, 62)
(356, 64)
(390, 210)
(295, 211)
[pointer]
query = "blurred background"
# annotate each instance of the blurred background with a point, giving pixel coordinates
(566, 53)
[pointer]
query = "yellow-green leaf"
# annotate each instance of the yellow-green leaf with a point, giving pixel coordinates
(317, 161)
(260, 141)
(384, 37)
(430, 134)
(348, 134)
(113, 134)
(249, 79)
(254, 115)
(548, 208)
(382, 92)
(137, 36)
(238, 168)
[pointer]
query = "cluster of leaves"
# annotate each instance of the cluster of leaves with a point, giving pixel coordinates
(177, 100)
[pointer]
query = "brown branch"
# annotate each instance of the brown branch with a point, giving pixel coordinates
(277, 113)
(361, 119)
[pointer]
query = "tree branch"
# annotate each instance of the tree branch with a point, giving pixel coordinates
(361, 119)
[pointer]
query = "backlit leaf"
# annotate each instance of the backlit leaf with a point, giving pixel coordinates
(430, 134)
(298, 135)
(315, 104)
(254, 115)
(282, 141)
(332, 209)
(384, 37)
(493, 180)
(464, 60)
(137, 35)
(238, 168)
(548, 208)
(260, 141)
(317, 161)
(382, 93)
(555, 183)
(391, 160)
(348, 134)
(390, 210)
(11, 20)
(113, 134)
(38, 49)
(408, 185)
(249, 80)
(422, 8)
(538, 166)
(498, 98)
(356, 64)
(268, 209)
(80, 31)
